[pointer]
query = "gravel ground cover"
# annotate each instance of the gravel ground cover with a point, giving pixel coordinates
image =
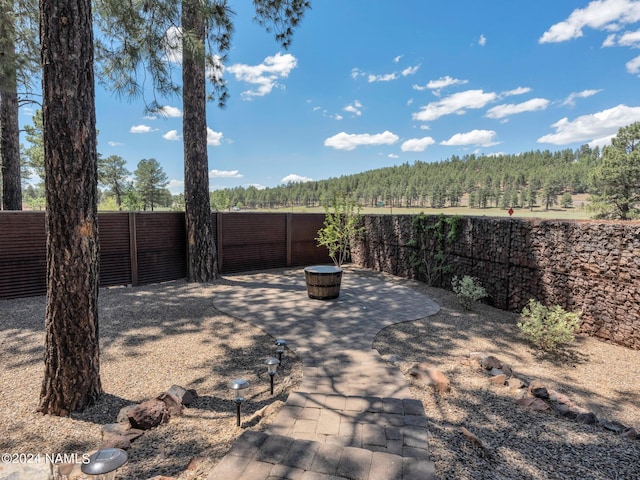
(151, 338)
(158, 335)
(520, 443)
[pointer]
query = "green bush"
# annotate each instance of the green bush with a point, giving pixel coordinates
(469, 290)
(548, 328)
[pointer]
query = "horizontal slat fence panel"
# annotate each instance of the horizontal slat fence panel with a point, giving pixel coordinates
(115, 257)
(23, 254)
(148, 247)
(252, 241)
(304, 248)
(161, 247)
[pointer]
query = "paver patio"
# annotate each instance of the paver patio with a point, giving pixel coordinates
(353, 416)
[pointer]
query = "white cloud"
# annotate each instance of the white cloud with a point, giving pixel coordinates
(172, 135)
(293, 178)
(630, 39)
(224, 174)
(176, 186)
(173, 45)
(482, 41)
(633, 66)
(409, 102)
(410, 70)
(599, 14)
(141, 129)
(388, 77)
(393, 155)
(610, 41)
(589, 127)
(482, 138)
(169, 111)
(571, 99)
(602, 141)
(264, 76)
(356, 72)
(397, 59)
(516, 91)
(257, 186)
(457, 103)
(440, 83)
(114, 144)
(214, 138)
(501, 111)
(417, 144)
(355, 108)
(349, 141)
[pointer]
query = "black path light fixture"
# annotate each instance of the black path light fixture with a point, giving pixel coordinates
(238, 384)
(280, 344)
(272, 368)
(103, 464)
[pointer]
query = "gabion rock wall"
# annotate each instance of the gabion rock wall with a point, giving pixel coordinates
(593, 267)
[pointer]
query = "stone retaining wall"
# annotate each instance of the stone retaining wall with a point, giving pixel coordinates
(593, 267)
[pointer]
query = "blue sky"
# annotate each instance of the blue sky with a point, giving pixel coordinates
(370, 83)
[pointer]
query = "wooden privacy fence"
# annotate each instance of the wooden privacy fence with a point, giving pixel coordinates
(148, 247)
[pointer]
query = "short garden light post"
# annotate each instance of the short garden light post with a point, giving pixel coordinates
(103, 464)
(272, 367)
(280, 343)
(237, 385)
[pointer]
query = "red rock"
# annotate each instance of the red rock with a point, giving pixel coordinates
(148, 414)
(430, 376)
(173, 403)
(186, 396)
(515, 383)
(534, 404)
(490, 362)
(587, 418)
(116, 441)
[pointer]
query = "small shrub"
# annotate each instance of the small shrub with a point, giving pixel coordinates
(548, 328)
(469, 290)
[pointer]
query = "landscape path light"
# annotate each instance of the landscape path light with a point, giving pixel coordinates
(103, 464)
(238, 384)
(280, 343)
(272, 367)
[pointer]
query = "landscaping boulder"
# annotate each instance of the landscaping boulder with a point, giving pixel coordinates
(115, 441)
(185, 396)
(429, 375)
(148, 414)
(173, 403)
(490, 362)
(123, 414)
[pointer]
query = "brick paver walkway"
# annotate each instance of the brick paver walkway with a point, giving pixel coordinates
(353, 416)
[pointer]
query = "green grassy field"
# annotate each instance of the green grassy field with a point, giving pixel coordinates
(558, 214)
(579, 212)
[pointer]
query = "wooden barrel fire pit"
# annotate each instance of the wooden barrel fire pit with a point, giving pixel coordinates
(323, 281)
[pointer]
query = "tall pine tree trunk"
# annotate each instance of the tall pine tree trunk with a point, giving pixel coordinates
(10, 141)
(202, 263)
(72, 364)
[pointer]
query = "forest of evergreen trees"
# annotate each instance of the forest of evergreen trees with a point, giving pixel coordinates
(522, 180)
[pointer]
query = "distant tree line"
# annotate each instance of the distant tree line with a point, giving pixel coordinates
(539, 178)
(523, 180)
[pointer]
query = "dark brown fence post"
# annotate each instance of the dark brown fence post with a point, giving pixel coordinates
(288, 239)
(133, 248)
(219, 228)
